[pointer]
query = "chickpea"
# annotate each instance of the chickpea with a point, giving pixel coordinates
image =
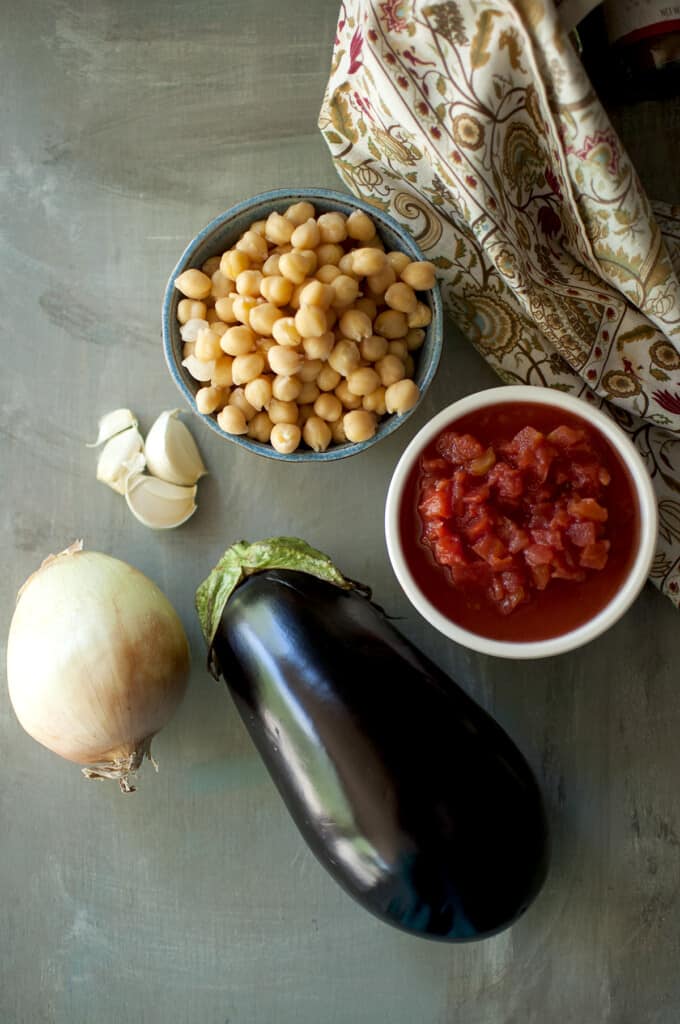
(331, 318)
(332, 227)
(366, 262)
(310, 258)
(398, 260)
(375, 243)
(355, 325)
(237, 341)
(234, 263)
(297, 292)
(238, 399)
(247, 367)
(285, 332)
(258, 390)
(380, 282)
(304, 413)
(310, 321)
(286, 389)
(278, 229)
(338, 432)
(360, 226)
(207, 345)
(211, 265)
(309, 393)
(391, 369)
(224, 308)
(401, 396)
(420, 275)
(232, 421)
(248, 282)
(328, 379)
(414, 339)
(194, 284)
(190, 309)
(285, 437)
(346, 290)
(316, 434)
(282, 412)
(263, 318)
(253, 245)
(221, 285)
(270, 267)
(298, 213)
(264, 344)
(280, 250)
(398, 348)
(260, 428)
(218, 328)
(368, 307)
(328, 407)
(293, 266)
(276, 289)
(284, 361)
(306, 236)
(344, 357)
(345, 264)
(211, 316)
(209, 399)
(188, 349)
(310, 370)
(374, 348)
(327, 272)
(242, 306)
(401, 297)
(391, 324)
(349, 400)
(359, 425)
(329, 254)
(375, 402)
(319, 348)
(259, 227)
(362, 381)
(421, 317)
(221, 375)
(317, 294)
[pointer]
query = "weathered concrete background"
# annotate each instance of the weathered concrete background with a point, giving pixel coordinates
(125, 128)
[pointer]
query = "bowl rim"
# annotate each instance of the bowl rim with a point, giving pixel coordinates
(291, 195)
(642, 484)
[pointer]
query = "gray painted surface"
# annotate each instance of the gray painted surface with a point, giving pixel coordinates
(126, 127)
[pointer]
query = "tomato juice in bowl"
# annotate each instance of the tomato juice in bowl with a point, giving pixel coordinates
(521, 522)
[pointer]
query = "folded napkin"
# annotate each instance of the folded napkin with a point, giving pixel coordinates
(476, 126)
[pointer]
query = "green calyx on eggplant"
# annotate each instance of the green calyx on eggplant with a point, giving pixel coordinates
(409, 794)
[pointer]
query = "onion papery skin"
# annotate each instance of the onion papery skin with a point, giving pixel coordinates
(97, 661)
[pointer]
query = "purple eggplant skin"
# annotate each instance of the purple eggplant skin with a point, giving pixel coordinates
(407, 792)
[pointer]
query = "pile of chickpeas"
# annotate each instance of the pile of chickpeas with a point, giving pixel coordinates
(304, 331)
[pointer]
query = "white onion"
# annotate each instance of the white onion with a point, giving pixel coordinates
(97, 661)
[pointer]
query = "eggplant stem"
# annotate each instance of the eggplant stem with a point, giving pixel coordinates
(121, 768)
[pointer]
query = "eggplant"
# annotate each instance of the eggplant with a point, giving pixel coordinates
(408, 793)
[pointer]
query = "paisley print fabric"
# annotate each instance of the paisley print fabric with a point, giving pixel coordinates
(475, 125)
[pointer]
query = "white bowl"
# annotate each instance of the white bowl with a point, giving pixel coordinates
(647, 520)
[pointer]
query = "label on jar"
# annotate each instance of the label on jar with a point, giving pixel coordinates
(630, 20)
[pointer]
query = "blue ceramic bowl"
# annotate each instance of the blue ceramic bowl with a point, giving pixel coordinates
(221, 233)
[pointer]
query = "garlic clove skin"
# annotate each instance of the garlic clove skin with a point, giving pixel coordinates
(113, 423)
(120, 456)
(199, 369)
(171, 452)
(158, 504)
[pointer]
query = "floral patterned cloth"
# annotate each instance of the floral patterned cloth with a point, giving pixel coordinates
(475, 125)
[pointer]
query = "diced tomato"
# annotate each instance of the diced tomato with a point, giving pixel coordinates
(449, 550)
(477, 496)
(459, 448)
(585, 477)
(512, 535)
(493, 551)
(594, 556)
(566, 437)
(540, 576)
(507, 481)
(548, 538)
(587, 508)
(478, 526)
(582, 534)
(539, 554)
(436, 467)
(437, 501)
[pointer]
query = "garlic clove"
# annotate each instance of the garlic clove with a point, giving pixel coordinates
(171, 452)
(114, 423)
(120, 456)
(158, 504)
(189, 330)
(199, 369)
